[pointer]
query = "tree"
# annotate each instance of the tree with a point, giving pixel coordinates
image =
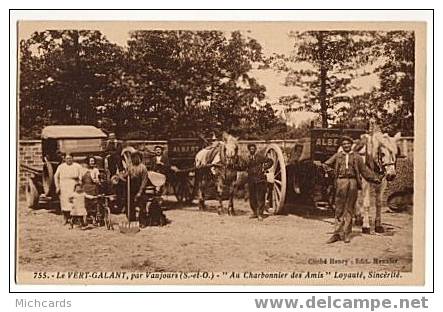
(397, 80)
(193, 81)
(164, 84)
(326, 62)
(64, 76)
(391, 103)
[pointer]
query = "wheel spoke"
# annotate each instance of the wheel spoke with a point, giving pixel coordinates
(274, 199)
(278, 172)
(273, 154)
(278, 192)
(277, 197)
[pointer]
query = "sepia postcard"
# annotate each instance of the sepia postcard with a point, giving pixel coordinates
(221, 153)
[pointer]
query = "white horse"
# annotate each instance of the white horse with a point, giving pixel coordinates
(217, 163)
(379, 151)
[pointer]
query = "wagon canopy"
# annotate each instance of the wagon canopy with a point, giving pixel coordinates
(72, 132)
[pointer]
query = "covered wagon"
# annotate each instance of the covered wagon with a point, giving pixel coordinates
(78, 140)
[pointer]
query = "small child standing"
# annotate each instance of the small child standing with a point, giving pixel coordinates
(78, 211)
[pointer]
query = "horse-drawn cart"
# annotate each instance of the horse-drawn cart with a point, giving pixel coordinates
(181, 155)
(79, 141)
(295, 174)
(297, 177)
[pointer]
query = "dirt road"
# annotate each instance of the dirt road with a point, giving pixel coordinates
(205, 241)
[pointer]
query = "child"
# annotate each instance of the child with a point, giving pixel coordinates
(78, 205)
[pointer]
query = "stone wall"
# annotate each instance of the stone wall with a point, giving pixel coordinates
(29, 154)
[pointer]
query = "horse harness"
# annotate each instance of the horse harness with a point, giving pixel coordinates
(377, 164)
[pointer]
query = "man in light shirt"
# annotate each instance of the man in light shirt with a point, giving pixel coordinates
(348, 169)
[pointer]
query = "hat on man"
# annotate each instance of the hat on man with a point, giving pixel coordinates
(346, 138)
(159, 146)
(252, 145)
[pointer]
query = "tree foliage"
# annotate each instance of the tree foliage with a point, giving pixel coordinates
(164, 84)
(397, 81)
(326, 63)
(391, 103)
(188, 83)
(194, 80)
(64, 77)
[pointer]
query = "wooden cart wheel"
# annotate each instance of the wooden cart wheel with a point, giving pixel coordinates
(400, 201)
(184, 187)
(31, 194)
(277, 176)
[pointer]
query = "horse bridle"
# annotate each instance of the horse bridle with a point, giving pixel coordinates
(224, 158)
(382, 166)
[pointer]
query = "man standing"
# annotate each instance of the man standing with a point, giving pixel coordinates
(159, 162)
(113, 151)
(256, 165)
(348, 168)
(138, 179)
(113, 157)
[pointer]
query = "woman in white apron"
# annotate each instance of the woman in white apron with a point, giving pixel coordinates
(67, 175)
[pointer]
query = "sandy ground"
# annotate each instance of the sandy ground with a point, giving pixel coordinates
(205, 241)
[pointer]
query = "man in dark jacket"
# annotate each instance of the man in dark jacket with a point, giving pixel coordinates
(138, 179)
(348, 169)
(113, 151)
(256, 165)
(159, 162)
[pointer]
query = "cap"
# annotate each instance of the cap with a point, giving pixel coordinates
(346, 138)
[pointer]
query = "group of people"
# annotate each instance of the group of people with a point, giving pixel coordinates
(348, 170)
(79, 185)
(137, 171)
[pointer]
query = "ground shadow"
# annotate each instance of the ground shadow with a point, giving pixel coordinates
(211, 208)
(193, 206)
(308, 210)
(174, 205)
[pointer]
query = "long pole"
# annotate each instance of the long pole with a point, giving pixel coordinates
(129, 198)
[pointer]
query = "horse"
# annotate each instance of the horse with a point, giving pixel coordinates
(379, 152)
(216, 163)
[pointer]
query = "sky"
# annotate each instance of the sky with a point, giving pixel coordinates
(272, 36)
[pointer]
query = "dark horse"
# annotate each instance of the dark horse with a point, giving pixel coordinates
(216, 163)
